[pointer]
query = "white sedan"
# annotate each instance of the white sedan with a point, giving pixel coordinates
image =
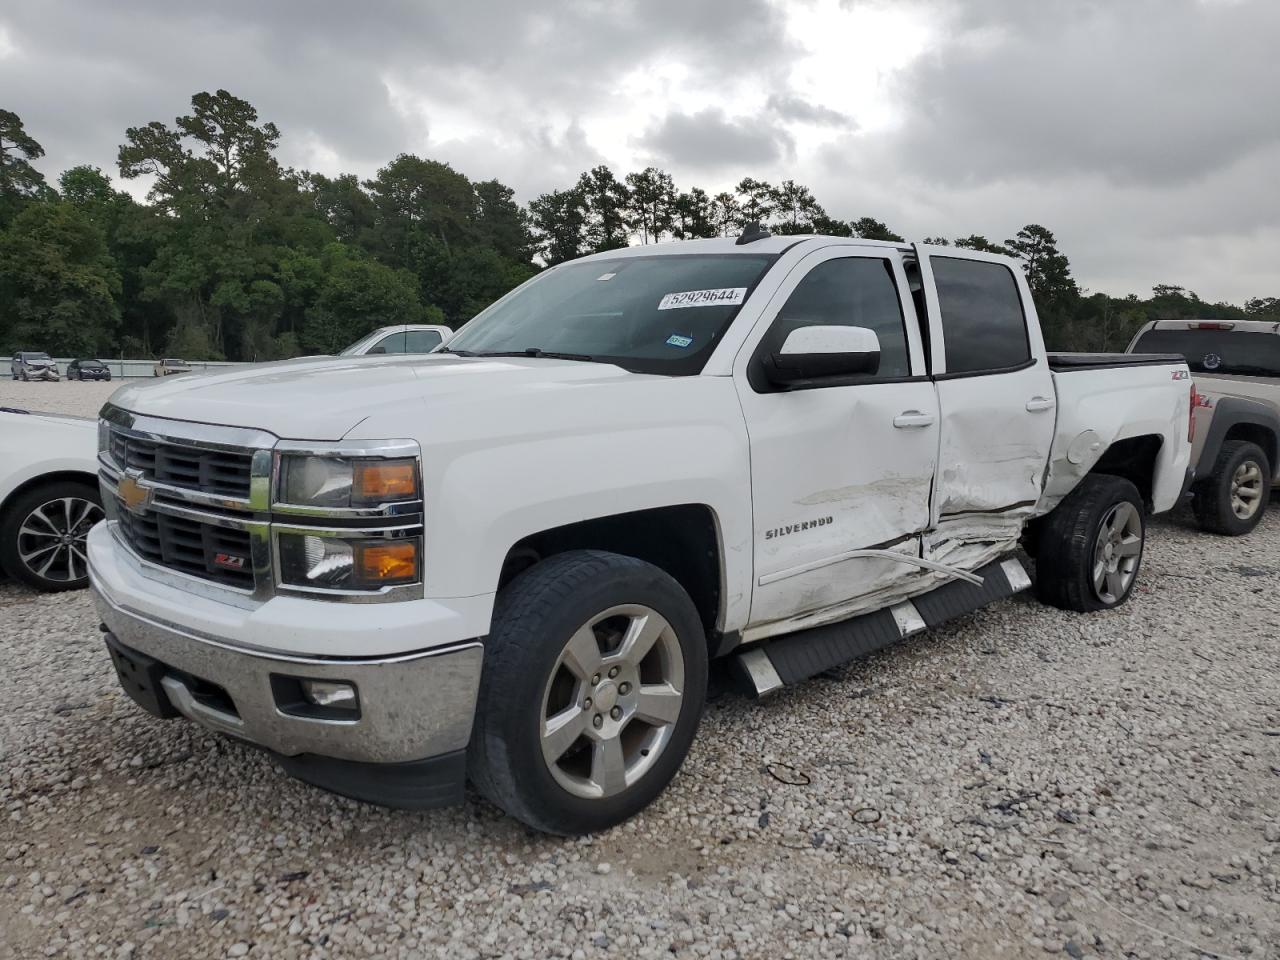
(48, 497)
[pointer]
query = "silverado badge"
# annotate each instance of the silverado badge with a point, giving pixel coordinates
(135, 496)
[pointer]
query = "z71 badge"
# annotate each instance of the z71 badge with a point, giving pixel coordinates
(797, 528)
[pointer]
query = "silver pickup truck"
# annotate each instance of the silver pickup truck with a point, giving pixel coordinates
(1236, 452)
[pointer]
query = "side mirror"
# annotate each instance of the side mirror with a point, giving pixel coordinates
(811, 353)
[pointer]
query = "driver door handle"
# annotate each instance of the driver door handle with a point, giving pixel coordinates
(1036, 404)
(912, 418)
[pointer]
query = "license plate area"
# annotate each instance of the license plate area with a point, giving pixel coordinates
(140, 676)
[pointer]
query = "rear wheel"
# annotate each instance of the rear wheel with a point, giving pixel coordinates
(594, 682)
(43, 531)
(1233, 498)
(1090, 547)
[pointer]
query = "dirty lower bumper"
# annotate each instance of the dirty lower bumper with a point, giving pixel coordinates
(403, 746)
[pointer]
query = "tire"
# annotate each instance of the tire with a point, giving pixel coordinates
(1100, 524)
(533, 667)
(1232, 499)
(32, 528)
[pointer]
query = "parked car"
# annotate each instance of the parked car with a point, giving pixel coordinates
(49, 498)
(1236, 365)
(404, 338)
(169, 366)
(785, 451)
(88, 370)
(33, 365)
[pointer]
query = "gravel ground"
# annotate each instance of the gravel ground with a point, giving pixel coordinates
(1025, 781)
(81, 398)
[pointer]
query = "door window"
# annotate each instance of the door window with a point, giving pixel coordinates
(850, 292)
(983, 323)
(391, 343)
(421, 341)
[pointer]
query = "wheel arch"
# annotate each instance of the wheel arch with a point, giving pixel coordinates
(684, 540)
(1134, 459)
(52, 476)
(1241, 418)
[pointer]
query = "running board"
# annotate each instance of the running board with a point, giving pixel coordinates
(782, 661)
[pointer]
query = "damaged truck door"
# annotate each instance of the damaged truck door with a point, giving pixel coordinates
(997, 400)
(842, 462)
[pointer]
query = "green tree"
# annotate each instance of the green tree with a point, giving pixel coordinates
(501, 224)
(651, 203)
(983, 245)
(795, 208)
(560, 223)
(756, 201)
(19, 180)
(344, 205)
(1263, 308)
(869, 228)
(356, 295)
(58, 286)
(726, 213)
(1049, 276)
(607, 203)
(830, 227)
(694, 216)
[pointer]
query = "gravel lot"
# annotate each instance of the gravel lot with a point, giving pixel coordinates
(1024, 781)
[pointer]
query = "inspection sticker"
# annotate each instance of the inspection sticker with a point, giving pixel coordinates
(676, 340)
(724, 297)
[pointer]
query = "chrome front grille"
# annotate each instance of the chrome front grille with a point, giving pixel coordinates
(193, 547)
(218, 472)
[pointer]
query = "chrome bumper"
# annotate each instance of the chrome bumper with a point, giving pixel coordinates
(412, 706)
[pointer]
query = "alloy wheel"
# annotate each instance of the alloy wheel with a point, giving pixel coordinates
(612, 701)
(1117, 552)
(51, 540)
(1246, 489)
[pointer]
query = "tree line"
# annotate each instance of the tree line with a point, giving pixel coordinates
(233, 256)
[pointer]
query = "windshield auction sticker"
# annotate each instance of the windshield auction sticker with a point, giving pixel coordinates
(724, 297)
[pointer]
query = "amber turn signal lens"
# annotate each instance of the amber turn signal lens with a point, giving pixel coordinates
(387, 562)
(385, 480)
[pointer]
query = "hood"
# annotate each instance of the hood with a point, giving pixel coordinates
(325, 398)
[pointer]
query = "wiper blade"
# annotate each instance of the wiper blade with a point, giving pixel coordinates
(537, 352)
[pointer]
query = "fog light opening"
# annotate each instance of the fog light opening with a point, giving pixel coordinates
(330, 693)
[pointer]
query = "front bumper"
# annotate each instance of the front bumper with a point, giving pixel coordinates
(404, 746)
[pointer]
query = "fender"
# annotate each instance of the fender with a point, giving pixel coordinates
(1230, 412)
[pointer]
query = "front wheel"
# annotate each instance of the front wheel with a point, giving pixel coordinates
(594, 682)
(1090, 547)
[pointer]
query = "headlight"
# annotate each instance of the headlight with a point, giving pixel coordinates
(308, 481)
(336, 563)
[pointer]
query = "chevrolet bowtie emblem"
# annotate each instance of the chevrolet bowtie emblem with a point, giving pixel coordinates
(135, 495)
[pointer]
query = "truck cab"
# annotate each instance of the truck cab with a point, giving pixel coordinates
(510, 561)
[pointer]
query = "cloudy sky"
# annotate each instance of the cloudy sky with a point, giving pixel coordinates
(1145, 133)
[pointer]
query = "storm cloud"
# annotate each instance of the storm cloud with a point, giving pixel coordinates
(1142, 132)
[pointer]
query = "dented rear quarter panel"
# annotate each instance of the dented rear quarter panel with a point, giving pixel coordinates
(1098, 407)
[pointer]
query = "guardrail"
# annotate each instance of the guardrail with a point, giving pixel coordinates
(128, 369)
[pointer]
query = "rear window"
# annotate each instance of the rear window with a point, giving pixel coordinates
(983, 324)
(1217, 351)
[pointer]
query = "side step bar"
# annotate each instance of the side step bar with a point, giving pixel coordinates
(782, 661)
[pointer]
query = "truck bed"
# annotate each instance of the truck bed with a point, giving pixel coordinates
(1068, 362)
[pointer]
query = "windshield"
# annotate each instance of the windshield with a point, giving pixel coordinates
(661, 314)
(91, 364)
(35, 356)
(1217, 351)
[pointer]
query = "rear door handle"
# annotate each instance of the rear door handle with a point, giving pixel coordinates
(912, 418)
(1036, 404)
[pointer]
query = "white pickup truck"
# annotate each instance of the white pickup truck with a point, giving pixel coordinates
(510, 561)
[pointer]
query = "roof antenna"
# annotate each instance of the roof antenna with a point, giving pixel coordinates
(751, 233)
